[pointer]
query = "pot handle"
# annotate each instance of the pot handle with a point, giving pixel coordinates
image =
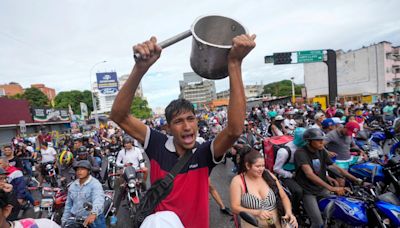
(168, 42)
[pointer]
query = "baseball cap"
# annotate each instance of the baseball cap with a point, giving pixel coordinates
(337, 120)
(327, 123)
(352, 128)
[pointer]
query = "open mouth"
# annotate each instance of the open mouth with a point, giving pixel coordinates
(188, 138)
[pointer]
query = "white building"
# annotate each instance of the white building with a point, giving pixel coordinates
(250, 91)
(197, 90)
(366, 72)
(139, 90)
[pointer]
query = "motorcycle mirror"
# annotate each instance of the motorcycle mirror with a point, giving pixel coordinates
(87, 206)
(248, 218)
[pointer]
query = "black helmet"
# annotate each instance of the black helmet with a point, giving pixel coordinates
(313, 134)
(82, 150)
(83, 164)
(97, 149)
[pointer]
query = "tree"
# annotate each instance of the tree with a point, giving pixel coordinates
(35, 97)
(74, 98)
(140, 109)
(282, 88)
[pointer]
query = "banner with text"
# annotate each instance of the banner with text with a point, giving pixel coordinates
(107, 82)
(50, 115)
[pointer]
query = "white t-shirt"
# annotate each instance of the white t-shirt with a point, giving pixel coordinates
(39, 222)
(133, 156)
(48, 155)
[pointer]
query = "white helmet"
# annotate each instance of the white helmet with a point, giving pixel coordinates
(162, 219)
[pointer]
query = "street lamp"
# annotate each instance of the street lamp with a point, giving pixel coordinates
(293, 95)
(96, 117)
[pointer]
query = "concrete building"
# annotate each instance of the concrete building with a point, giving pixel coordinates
(49, 92)
(363, 75)
(253, 90)
(249, 90)
(122, 80)
(11, 89)
(223, 94)
(197, 90)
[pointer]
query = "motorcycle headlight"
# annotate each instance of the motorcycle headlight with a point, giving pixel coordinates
(48, 166)
(132, 183)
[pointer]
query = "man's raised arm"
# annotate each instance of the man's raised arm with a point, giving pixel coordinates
(120, 112)
(242, 45)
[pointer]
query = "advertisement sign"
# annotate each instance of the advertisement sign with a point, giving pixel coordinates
(50, 115)
(107, 82)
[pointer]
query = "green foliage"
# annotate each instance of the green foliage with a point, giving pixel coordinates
(74, 98)
(140, 108)
(282, 88)
(35, 97)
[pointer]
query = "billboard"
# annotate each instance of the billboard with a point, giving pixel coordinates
(107, 82)
(49, 115)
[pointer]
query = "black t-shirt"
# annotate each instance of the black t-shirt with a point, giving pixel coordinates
(318, 162)
(114, 148)
(16, 162)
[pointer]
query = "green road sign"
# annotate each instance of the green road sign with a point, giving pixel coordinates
(310, 56)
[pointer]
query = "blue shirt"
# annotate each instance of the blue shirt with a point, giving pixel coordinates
(91, 191)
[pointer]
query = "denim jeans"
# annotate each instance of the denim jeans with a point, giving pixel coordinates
(310, 203)
(28, 167)
(100, 222)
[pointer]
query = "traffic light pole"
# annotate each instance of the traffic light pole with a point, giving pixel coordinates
(332, 76)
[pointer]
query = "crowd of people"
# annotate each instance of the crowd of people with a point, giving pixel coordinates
(320, 139)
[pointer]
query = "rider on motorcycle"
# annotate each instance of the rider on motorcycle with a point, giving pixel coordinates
(311, 163)
(85, 189)
(83, 154)
(48, 156)
(131, 155)
(66, 166)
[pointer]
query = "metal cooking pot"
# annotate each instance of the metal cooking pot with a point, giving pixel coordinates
(212, 40)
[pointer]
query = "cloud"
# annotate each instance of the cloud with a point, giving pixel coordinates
(57, 43)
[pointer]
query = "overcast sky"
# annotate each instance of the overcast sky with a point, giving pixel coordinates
(58, 42)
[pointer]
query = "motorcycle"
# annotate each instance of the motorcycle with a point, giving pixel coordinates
(111, 169)
(77, 222)
(362, 207)
(133, 188)
(51, 176)
(52, 203)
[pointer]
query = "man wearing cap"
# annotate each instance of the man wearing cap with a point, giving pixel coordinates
(318, 118)
(85, 189)
(328, 125)
(340, 141)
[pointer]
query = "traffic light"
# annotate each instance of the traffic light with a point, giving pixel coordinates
(282, 58)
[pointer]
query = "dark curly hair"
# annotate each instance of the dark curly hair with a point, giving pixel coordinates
(250, 156)
(177, 107)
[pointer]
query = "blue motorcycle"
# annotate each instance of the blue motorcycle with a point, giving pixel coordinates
(363, 209)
